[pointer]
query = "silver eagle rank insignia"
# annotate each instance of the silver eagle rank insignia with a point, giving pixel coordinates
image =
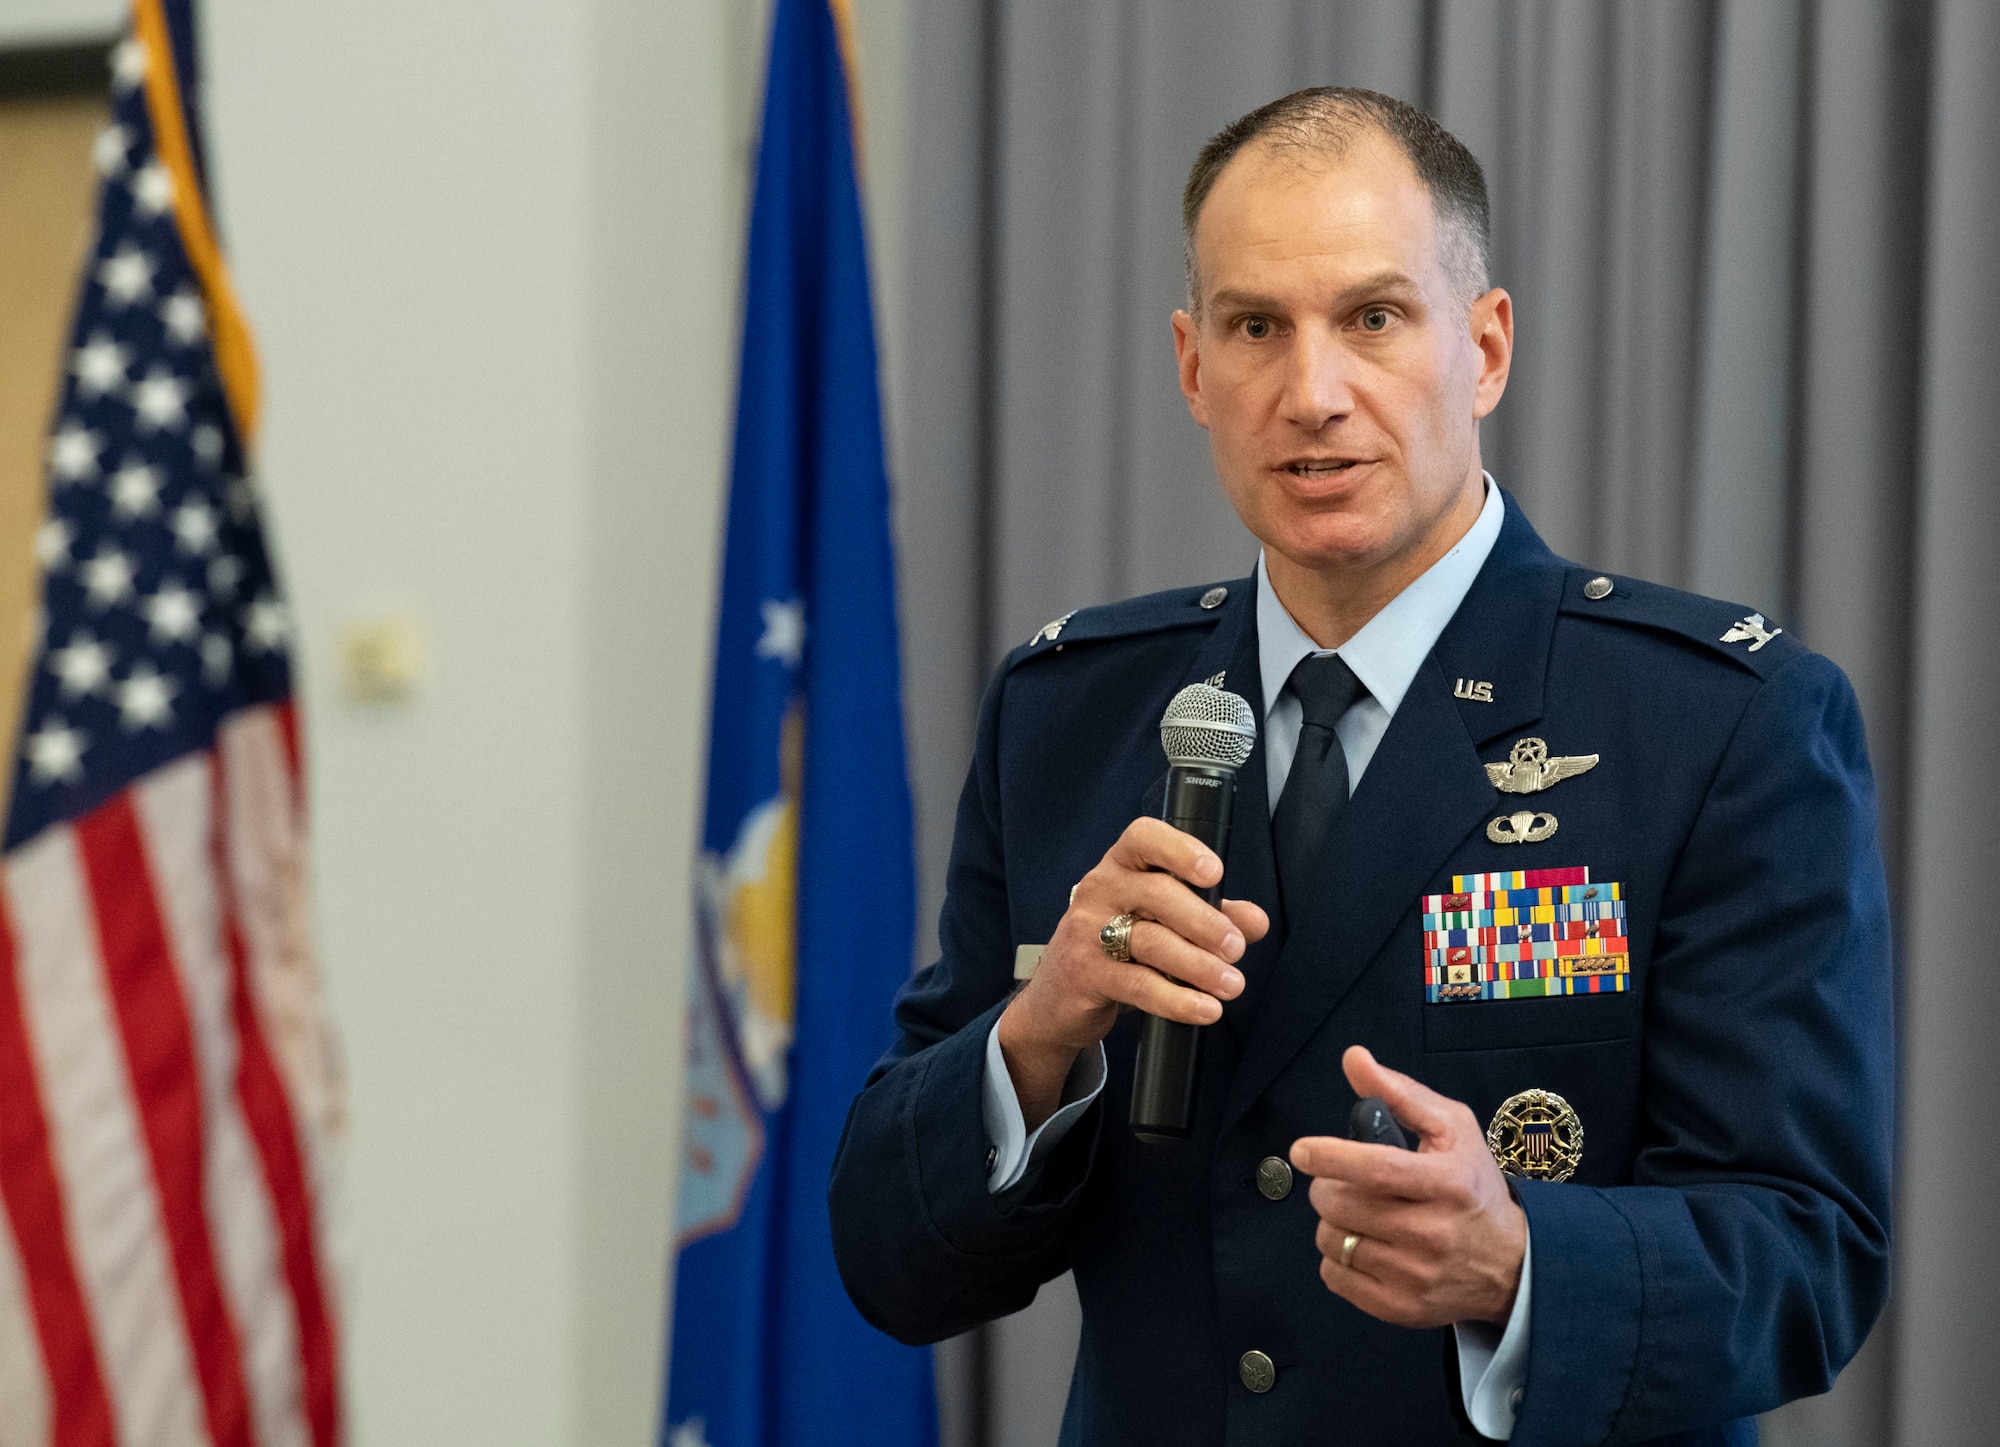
(1052, 630)
(1749, 628)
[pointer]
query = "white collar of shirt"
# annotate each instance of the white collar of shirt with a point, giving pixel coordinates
(1386, 654)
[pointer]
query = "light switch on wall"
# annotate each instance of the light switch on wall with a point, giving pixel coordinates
(382, 660)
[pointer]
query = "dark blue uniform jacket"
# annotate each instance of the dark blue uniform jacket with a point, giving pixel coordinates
(1723, 1246)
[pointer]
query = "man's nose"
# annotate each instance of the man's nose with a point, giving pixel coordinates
(1318, 388)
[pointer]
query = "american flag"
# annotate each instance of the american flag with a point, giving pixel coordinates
(169, 1097)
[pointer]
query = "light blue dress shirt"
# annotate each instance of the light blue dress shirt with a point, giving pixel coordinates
(1385, 655)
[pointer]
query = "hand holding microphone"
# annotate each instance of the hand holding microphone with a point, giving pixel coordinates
(1184, 952)
(1208, 735)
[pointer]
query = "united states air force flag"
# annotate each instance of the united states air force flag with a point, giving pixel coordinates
(807, 884)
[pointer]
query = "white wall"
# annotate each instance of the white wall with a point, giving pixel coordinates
(489, 251)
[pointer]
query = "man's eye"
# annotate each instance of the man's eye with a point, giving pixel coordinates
(1256, 328)
(1375, 319)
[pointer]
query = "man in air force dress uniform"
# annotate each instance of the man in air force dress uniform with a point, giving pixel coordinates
(1579, 874)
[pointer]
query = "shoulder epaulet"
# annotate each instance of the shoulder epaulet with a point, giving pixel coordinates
(1740, 634)
(1153, 613)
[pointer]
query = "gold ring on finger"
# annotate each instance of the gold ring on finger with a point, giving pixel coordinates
(1116, 937)
(1347, 1250)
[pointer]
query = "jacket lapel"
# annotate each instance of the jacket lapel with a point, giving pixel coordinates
(1229, 649)
(1231, 646)
(1501, 634)
(1424, 791)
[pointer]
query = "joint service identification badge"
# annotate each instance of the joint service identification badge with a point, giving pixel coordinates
(1536, 1135)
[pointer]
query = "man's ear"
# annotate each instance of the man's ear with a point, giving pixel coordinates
(1187, 360)
(1492, 324)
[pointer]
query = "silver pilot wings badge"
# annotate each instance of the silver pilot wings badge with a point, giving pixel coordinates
(1529, 769)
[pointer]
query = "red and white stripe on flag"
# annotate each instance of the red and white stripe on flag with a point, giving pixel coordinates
(169, 1113)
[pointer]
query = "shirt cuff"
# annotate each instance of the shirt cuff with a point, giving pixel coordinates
(1013, 1147)
(1493, 1364)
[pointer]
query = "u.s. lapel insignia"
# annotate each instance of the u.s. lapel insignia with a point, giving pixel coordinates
(1529, 769)
(1751, 627)
(1052, 630)
(1536, 1135)
(1523, 827)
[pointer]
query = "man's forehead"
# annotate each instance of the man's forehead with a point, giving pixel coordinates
(1368, 178)
(1365, 207)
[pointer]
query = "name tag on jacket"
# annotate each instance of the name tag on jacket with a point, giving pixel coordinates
(1524, 934)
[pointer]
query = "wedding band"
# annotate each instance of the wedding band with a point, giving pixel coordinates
(1116, 937)
(1347, 1249)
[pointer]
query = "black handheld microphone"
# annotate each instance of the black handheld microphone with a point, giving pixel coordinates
(1208, 734)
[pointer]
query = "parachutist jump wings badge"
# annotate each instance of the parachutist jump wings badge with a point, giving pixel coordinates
(1529, 769)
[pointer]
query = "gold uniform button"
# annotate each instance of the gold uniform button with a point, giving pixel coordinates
(1258, 1371)
(1274, 1178)
(1596, 588)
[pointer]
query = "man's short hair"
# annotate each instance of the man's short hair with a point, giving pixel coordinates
(1327, 120)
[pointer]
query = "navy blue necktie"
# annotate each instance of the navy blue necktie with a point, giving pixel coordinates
(1316, 789)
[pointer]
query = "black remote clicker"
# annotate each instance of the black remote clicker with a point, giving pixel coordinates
(1370, 1121)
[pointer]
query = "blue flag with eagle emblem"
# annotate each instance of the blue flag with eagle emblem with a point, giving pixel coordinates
(807, 882)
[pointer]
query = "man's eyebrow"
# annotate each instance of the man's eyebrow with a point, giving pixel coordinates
(1242, 301)
(1382, 284)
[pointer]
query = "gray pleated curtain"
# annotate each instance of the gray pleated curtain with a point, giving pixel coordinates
(1754, 247)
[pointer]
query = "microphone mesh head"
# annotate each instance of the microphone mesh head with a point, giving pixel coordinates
(1208, 725)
